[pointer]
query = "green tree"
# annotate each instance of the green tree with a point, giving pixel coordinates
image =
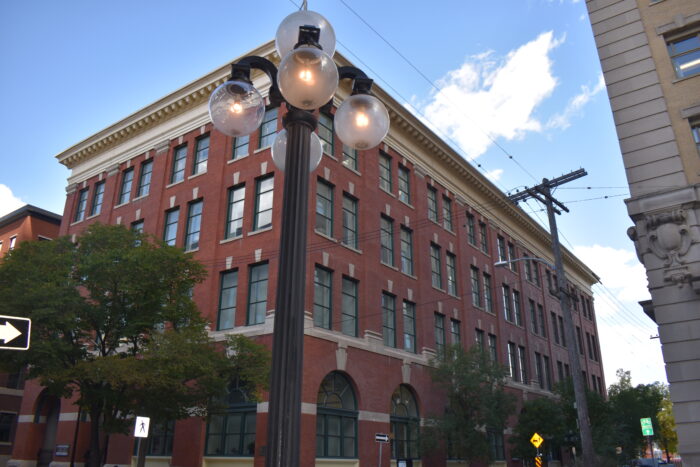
(476, 403)
(113, 322)
(668, 438)
(543, 416)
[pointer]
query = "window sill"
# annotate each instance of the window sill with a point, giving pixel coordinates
(198, 174)
(407, 204)
(71, 224)
(351, 248)
(678, 80)
(120, 205)
(387, 192)
(409, 275)
(388, 265)
(261, 149)
(231, 161)
(229, 240)
(355, 171)
(449, 230)
(193, 250)
(438, 289)
(138, 198)
(91, 217)
(175, 183)
(331, 156)
(259, 231)
(327, 237)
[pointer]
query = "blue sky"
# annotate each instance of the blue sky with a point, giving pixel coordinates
(520, 94)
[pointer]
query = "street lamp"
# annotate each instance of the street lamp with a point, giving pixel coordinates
(306, 80)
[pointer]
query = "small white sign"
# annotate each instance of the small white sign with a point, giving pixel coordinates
(141, 428)
(381, 438)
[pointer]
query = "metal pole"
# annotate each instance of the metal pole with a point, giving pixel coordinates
(379, 464)
(284, 416)
(587, 454)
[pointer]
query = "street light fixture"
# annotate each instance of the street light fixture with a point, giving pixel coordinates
(306, 80)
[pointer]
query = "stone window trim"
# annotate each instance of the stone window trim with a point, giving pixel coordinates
(680, 25)
(691, 113)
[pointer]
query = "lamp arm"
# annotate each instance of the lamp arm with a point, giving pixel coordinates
(241, 71)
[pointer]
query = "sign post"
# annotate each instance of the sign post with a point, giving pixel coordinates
(382, 439)
(536, 441)
(648, 431)
(14, 332)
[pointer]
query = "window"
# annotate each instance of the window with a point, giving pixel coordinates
(322, 297)
(228, 292)
(540, 319)
(257, 294)
(435, 266)
(476, 286)
(125, 191)
(440, 335)
(695, 129)
(547, 372)
(385, 172)
(170, 230)
(324, 208)
(594, 345)
(484, 238)
(539, 376)
(137, 227)
(97, 199)
(264, 190)
(555, 328)
(349, 157)
(404, 185)
(451, 265)
(349, 221)
(240, 147)
(232, 432)
(561, 331)
(507, 309)
(501, 244)
(386, 240)
(348, 310)
(201, 155)
(512, 361)
(685, 55)
(560, 370)
(325, 133)
(493, 350)
(82, 204)
(511, 257)
(409, 326)
(6, 422)
(179, 161)
(389, 319)
(496, 445)
(533, 316)
(528, 268)
(579, 340)
(455, 332)
(145, 179)
(234, 214)
(432, 204)
(447, 212)
(194, 225)
(161, 439)
(336, 418)
(268, 128)
(471, 230)
(479, 339)
(522, 364)
(488, 294)
(404, 424)
(588, 344)
(517, 312)
(406, 251)
(535, 273)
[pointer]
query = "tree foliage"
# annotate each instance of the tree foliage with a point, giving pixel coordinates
(114, 325)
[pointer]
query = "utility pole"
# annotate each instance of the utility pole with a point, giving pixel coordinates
(543, 194)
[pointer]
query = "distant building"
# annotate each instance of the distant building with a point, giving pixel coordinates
(650, 54)
(402, 244)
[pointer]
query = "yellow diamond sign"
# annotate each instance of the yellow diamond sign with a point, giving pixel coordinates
(536, 440)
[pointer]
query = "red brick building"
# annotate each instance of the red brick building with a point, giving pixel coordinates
(402, 242)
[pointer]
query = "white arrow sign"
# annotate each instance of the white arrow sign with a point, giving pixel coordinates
(8, 332)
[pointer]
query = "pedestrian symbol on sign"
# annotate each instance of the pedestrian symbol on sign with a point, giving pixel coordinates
(141, 427)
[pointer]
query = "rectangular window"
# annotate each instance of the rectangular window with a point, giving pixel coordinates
(322, 298)
(170, 231)
(535, 273)
(540, 319)
(406, 251)
(201, 155)
(348, 310)
(432, 204)
(264, 190)
(579, 340)
(97, 199)
(533, 316)
(125, 190)
(538, 370)
(522, 364)
(435, 266)
(547, 372)
(507, 308)
(493, 349)
(145, 178)
(137, 227)
(447, 213)
(511, 257)
(555, 328)
(496, 445)
(325, 133)
(349, 157)
(451, 266)
(512, 362)
(385, 172)
(240, 147)
(695, 130)
(455, 332)
(179, 161)
(409, 326)
(528, 268)
(386, 240)
(228, 293)
(501, 244)
(594, 344)
(234, 213)
(6, 422)
(389, 319)
(483, 235)
(517, 311)
(561, 331)
(82, 205)
(476, 287)
(349, 221)
(488, 294)
(268, 128)
(440, 335)
(194, 225)
(560, 370)
(685, 55)
(589, 346)
(479, 339)
(257, 294)
(404, 185)
(471, 229)
(324, 208)
(161, 439)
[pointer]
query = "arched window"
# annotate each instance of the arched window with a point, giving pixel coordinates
(336, 418)
(404, 424)
(232, 432)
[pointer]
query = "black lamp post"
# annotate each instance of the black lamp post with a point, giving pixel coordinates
(306, 80)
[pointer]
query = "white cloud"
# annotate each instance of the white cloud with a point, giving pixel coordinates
(563, 120)
(490, 97)
(494, 175)
(8, 201)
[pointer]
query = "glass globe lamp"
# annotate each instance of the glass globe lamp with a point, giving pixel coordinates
(236, 108)
(288, 32)
(279, 151)
(362, 121)
(307, 78)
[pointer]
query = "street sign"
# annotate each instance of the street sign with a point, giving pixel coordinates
(647, 427)
(538, 461)
(536, 440)
(381, 438)
(141, 427)
(14, 332)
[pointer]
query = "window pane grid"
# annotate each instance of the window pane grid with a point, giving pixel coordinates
(179, 160)
(451, 274)
(432, 204)
(389, 320)
(125, 191)
(324, 208)
(97, 199)
(447, 213)
(387, 240)
(435, 266)
(349, 307)
(350, 157)
(349, 221)
(194, 225)
(201, 155)
(227, 300)
(404, 185)
(322, 298)
(170, 230)
(145, 179)
(268, 128)
(257, 294)
(234, 215)
(385, 172)
(409, 326)
(406, 251)
(82, 203)
(240, 147)
(264, 191)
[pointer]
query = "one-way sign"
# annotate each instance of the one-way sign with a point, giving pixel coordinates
(14, 332)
